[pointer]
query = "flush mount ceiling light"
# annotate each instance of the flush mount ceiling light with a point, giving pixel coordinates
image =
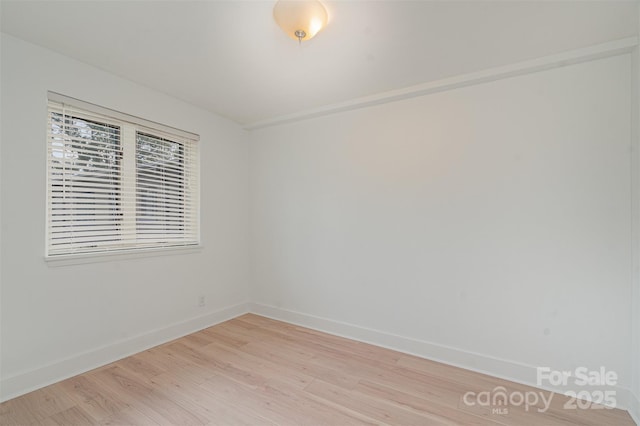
(300, 19)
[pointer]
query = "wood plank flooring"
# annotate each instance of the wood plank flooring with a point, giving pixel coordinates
(257, 371)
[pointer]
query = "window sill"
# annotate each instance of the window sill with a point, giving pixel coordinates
(79, 259)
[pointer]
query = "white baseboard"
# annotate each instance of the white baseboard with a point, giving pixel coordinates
(505, 369)
(19, 384)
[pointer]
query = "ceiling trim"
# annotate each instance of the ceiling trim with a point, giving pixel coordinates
(599, 51)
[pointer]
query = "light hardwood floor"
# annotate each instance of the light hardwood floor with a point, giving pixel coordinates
(256, 371)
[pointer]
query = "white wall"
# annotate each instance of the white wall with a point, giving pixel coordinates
(59, 320)
(634, 406)
(490, 225)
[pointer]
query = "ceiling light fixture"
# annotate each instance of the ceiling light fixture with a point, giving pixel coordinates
(300, 19)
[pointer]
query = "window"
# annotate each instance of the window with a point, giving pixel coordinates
(116, 182)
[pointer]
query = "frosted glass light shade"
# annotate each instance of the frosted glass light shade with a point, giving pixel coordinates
(300, 19)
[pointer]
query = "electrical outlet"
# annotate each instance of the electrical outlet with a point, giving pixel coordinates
(202, 301)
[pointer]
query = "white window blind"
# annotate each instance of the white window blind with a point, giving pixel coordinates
(117, 182)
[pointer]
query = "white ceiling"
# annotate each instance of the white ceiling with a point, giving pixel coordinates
(229, 57)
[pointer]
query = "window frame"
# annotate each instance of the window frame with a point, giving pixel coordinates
(129, 128)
